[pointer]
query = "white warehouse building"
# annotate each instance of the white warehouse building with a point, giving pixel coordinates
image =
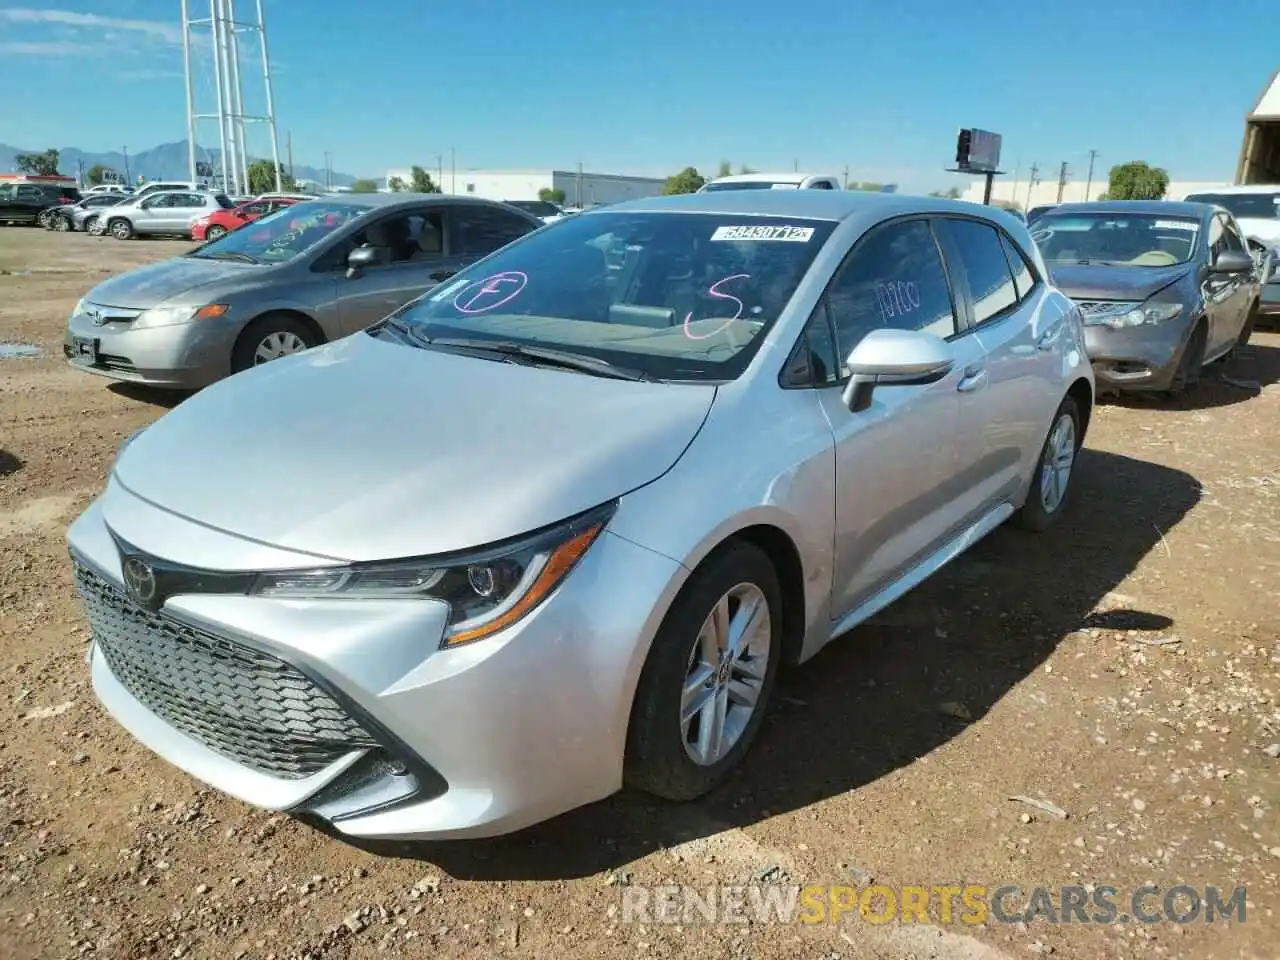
(580, 189)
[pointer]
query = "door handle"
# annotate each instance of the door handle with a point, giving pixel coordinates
(442, 275)
(975, 378)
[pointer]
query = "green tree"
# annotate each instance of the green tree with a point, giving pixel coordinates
(97, 174)
(726, 169)
(38, 164)
(262, 178)
(1136, 180)
(744, 169)
(549, 195)
(420, 181)
(364, 186)
(688, 180)
(396, 185)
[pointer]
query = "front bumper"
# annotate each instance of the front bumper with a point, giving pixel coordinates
(1269, 304)
(1136, 358)
(183, 356)
(476, 741)
(199, 231)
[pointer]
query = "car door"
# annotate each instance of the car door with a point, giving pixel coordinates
(1005, 416)
(411, 245)
(896, 460)
(1221, 291)
(153, 214)
(1243, 291)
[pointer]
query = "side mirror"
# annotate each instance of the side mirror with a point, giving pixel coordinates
(894, 358)
(359, 259)
(1232, 261)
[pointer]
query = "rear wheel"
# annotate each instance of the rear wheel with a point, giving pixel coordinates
(94, 226)
(269, 338)
(45, 219)
(120, 228)
(214, 233)
(1052, 480)
(706, 682)
(1187, 376)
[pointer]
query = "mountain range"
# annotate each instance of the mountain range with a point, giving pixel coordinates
(168, 161)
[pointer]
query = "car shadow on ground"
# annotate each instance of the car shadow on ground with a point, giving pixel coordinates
(872, 702)
(150, 395)
(9, 463)
(1222, 384)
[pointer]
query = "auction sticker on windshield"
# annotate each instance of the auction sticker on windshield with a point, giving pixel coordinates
(748, 232)
(1176, 225)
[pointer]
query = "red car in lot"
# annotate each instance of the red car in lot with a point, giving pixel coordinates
(222, 222)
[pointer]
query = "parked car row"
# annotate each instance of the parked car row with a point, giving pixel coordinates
(588, 483)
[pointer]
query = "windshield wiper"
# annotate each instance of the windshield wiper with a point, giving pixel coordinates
(224, 255)
(540, 356)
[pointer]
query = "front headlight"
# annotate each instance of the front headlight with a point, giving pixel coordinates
(486, 590)
(78, 309)
(165, 316)
(1118, 316)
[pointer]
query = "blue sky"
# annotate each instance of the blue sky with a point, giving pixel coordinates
(647, 88)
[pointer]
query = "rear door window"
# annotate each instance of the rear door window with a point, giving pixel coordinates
(991, 283)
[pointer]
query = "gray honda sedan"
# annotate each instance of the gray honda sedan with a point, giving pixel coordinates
(1165, 288)
(556, 524)
(303, 276)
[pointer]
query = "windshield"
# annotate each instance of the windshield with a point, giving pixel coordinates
(1127, 239)
(539, 208)
(751, 185)
(284, 234)
(1254, 206)
(676, 296)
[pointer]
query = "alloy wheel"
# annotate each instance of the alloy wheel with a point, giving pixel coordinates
(1059, 457)
(726, 673)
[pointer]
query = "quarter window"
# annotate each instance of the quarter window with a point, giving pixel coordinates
(1023, 280)
(893, 279)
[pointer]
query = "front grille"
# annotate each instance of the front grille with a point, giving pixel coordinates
(246, 705)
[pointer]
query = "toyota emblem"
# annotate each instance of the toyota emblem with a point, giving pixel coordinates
(97, 317)
(139, 580)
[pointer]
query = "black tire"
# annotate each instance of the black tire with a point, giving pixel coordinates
(89, 223)
(45, 219)
(243, 355)
(1035, 515)
(120, 228)
(1187, 376)
(657, 761)
(214, 233)
(61, 225)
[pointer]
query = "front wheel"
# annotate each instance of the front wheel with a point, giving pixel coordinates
(1051, 482)
(94, 226)
(62, 225)
(269, 338)
(120, 229)
(706, 682)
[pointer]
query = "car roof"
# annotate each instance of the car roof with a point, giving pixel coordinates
(1240, 188)
(809, 204)
(1174, 208)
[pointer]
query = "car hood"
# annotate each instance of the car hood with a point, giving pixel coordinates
(152, 285)
(365, 449)
(1114, 283)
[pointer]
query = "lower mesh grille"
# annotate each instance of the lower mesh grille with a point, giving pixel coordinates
(248, 706)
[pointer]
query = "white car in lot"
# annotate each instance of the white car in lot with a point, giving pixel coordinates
(552, 527)
(772, 181)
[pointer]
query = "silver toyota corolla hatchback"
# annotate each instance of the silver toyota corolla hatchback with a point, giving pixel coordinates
(556, 524)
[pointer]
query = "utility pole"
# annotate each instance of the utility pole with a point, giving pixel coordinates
(328, 177)
(795, 166)
(579, 184)
(1062, 180)
(439, 173)
(125, 151)
(288, 146)
(1031, 182)
(846, 178)
(453, 171)
(1093, 154)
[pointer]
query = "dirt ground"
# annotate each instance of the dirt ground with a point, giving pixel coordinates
(1125, 666)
